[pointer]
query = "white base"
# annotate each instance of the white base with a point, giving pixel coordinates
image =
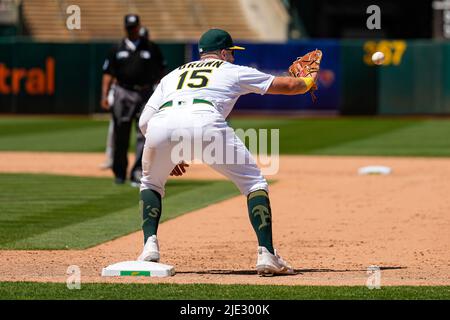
(375, 170)
(138, 268)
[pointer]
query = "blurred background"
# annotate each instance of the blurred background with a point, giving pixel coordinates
(48, 68)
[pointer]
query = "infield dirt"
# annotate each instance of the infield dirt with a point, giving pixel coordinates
(330, 223)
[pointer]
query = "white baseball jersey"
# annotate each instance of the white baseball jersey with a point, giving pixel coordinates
(216, 81)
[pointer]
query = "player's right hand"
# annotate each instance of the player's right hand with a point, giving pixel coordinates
(104, 104)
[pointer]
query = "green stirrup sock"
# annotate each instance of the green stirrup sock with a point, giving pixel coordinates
(150, 206)
(261, 217)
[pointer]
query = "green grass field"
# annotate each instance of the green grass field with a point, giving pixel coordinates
(30, 290)
(359, 136)
(61, 212)
(320, 136)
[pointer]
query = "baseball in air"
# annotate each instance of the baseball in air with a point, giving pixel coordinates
(378, 58)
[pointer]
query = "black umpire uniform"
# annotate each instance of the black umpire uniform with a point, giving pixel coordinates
(137, 65)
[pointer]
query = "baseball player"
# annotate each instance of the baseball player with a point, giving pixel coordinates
(200, 95)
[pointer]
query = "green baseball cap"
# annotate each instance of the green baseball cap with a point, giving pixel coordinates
(216, 39)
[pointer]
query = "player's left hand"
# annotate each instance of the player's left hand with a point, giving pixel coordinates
(307, 66)
(179, 169)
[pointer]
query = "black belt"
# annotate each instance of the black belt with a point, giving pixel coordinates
(170, 103)
(135, 87)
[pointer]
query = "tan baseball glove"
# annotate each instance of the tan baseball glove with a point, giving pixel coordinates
(307, 66)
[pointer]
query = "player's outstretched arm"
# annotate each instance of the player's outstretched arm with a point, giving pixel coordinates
(290, 85)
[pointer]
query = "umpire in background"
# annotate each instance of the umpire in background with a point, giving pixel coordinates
(135, 65)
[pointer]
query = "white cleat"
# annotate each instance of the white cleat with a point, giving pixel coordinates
(150, 251)
(271, 264)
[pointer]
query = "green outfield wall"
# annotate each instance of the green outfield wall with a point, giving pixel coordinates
(415, 78)
(63, 78)
(418, 84)
(359, 80)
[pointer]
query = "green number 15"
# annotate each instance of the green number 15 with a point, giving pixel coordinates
(197, 78)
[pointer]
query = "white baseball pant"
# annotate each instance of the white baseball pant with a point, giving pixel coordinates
(198, 122)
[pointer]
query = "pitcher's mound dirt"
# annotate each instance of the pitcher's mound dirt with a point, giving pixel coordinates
(329, 223)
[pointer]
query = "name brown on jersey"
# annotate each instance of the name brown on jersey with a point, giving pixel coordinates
(202, 64)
